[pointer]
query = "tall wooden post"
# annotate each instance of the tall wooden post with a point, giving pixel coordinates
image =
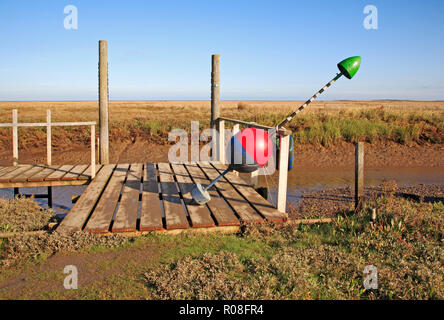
(215, 89)
(103, 103)
(359, 174)
(215, 104)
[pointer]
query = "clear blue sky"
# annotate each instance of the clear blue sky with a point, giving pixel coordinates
(269, 49)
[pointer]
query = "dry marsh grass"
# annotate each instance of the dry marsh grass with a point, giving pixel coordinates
(323, 122)
(23, 214)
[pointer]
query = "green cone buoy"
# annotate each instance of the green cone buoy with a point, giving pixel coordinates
(349, 66)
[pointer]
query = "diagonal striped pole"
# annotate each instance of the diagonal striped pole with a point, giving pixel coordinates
(317, 94)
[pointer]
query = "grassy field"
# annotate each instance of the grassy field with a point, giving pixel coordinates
(324, 122)
(259, 262)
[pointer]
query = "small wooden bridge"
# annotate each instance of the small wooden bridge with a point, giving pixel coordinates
(150, 196)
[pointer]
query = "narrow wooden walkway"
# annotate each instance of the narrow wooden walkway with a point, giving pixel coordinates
(34, 175)
(150, 196)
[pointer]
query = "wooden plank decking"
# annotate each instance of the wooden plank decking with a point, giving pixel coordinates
(40, 175)
(150, 196)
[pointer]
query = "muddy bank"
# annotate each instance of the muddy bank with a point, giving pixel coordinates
(329, 202)
(377, 155)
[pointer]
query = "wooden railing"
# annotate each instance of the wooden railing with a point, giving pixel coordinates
(284, 145)
(48, 124)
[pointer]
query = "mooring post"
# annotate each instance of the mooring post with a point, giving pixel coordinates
(215, 103)
(14, 138)
(215, 89)
(103, 103)
(359, 174)
(48, 137)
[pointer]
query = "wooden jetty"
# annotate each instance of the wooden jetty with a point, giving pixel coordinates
(36, 175)
(141, 197)
(155, 196)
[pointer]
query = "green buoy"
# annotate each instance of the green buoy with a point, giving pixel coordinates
(348, 68)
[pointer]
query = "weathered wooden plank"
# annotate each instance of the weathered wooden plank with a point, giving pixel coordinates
(102, 215)
(6, 170)
(175, 216)
(261, 205)
(243, 209)
(199, 215)
(150, 211)
(81, 210)
(126, 215)
(86, 175)
(40, 176)
(30, 184)
(14, 173)
(59, 173)
(22, 177)
(75, 172)
(221, 210)
(3, 169)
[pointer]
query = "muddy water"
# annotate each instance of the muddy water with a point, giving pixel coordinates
(61, 196)
(300, 180)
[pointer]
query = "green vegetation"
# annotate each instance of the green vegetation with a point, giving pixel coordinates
(329, 127)
(363, 125)
(323, 261)
(374, 125)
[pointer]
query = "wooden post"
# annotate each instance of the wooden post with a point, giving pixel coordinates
(93, 151)
(234, 132)
(254, 178)
(215, 89)
(283, 172)
(235, 129)
(48, 138)
(221, 143)
(359, 174)
(103, 103)
(14, 138)
(49, 197)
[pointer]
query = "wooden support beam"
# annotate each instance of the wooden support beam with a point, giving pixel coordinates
(215, 89)
(93, 151)
(359, 174)
(234, 132)
(49, 197)
(48, 138)
(247, 124)
(254, 178)
(103, 102)
(14, 138)
(283, 173)
(221, 141)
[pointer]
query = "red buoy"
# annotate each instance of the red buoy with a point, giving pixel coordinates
(249, 149)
